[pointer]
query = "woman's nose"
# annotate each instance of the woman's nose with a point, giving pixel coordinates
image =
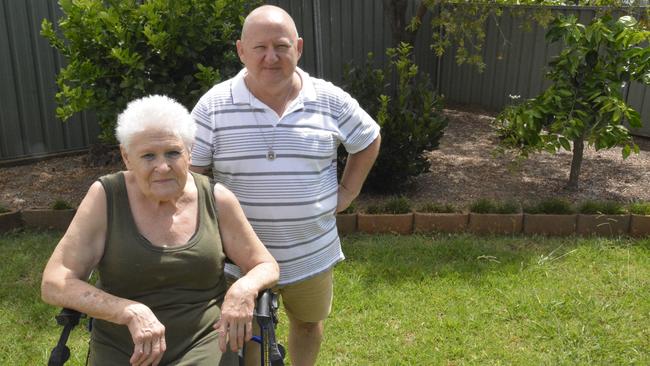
(162, 165)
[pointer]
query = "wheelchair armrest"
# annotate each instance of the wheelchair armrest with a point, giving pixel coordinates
(266, 306)
(69, 317)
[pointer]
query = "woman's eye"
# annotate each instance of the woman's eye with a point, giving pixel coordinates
(148, 156)
(172, 154)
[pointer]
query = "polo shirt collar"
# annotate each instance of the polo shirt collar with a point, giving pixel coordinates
(241, 95)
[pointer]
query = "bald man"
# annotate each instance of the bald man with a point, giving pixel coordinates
(271, 135)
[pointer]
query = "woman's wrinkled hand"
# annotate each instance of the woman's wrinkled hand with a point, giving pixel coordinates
(148, 335)
(236, 323)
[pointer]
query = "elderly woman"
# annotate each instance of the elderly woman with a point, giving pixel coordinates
(158, 236)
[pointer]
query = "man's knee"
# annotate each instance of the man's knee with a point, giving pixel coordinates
(307, 329)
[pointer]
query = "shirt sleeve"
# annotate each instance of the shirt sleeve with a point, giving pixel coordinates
(356, 126)
(202, 150)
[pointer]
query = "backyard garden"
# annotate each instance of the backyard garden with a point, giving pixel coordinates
(421, 300)
(466, 296)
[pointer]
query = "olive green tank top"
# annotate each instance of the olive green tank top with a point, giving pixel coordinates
(184, 285)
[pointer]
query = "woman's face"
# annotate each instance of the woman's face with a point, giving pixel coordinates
(160, 162)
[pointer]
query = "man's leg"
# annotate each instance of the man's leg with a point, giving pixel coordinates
(304, 341)
(307, 304)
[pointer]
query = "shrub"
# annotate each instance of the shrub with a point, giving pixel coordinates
(393, 205)
(408, 113)
(3, 209)
(434, 207)
(120, 50)
(486, 205)
(351, 209)
(640, 208)
(602, 208)
(61, 205)
(552, 206)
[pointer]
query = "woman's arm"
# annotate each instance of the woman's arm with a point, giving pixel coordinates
(66, 274)
(260, 269)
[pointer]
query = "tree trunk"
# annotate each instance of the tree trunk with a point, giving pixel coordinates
(576, 162)
(395, 11)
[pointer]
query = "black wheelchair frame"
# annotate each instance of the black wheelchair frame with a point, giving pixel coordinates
(266, 314)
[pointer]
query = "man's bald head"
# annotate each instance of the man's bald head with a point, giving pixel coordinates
(268, 14)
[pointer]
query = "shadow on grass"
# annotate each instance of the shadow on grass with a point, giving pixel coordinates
(396, 259)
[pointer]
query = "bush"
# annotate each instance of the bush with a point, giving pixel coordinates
(602, 208)
(552, 206)
(640, 208)
(434, 207)
(121, 50)
(61, 205)
(408, 113)
(393, 205)
(485, 205)
(3, 209)
(351, 209)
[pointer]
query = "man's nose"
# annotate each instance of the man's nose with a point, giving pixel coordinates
(270, 56)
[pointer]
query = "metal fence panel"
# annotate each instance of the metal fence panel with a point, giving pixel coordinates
(335, 32)
(28, 70)
(516, 63)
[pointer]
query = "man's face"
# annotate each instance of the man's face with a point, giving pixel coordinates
(270, 50)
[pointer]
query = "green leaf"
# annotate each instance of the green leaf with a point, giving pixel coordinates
(627, 21)
(565, 143)
(626, 151)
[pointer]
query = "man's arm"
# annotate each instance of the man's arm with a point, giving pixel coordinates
(200, 169)
(356, 170)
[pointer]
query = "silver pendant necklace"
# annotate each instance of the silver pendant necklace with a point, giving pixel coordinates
(270, 153)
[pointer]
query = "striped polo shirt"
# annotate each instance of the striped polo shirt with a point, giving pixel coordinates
(290, 201)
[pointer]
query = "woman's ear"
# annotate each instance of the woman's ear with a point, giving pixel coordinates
(125, 156)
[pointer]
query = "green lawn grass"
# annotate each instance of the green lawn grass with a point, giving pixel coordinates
(418, 300)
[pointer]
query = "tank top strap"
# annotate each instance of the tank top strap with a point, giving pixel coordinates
(206, 191)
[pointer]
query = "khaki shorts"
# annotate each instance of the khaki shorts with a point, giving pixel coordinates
(309, 300)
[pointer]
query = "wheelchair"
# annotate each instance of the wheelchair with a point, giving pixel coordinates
(266, 314)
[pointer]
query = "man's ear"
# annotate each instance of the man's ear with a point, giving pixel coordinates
(240, 50)
(299, 47)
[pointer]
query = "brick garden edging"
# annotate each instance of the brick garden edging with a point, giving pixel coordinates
(527, 224)
(481, 224)
(36, 219)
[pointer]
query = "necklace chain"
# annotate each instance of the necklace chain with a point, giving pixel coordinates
(270, 153)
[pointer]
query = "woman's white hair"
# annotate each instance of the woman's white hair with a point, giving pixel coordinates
(155, 113)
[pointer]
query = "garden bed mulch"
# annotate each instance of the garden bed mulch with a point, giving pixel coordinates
(463, 170)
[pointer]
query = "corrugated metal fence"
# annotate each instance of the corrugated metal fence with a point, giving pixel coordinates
(335, 32)
(28, 67)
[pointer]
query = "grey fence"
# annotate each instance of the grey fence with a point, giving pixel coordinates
(28, 67)
(335, 32)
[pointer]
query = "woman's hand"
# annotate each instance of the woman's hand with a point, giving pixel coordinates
(236, 323)
(261, 271)
(148, 335)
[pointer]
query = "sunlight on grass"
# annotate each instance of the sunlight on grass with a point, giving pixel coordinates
(417, 300)
(468, 300)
